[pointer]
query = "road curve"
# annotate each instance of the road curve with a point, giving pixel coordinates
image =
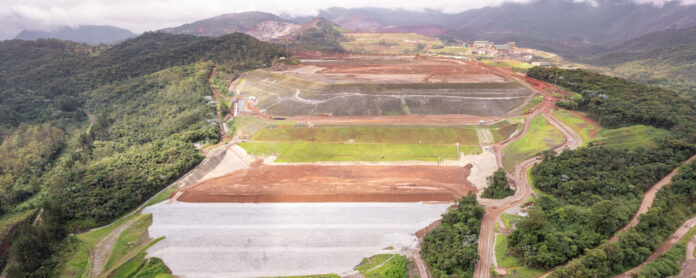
(648, 199)
(668, 244)
(494, 208)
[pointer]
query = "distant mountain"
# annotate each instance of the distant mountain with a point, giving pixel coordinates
(664, 58)
(263, 26)
(91, 34)
(570, 27)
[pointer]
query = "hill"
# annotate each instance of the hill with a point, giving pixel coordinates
(90, 34)
(571, 27)
(147, 101)
(261, 25)
(664, 58)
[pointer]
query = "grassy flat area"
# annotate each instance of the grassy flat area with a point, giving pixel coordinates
(580, 126)
(308, 152)
(503, 132)
(451, 50)
(131, 237)
(370, 134)
(541, 136)
(140, 267)
(630, 137)
(392, 265)
(78, 248)
(387, 43)
(516, 65)
(512, 264)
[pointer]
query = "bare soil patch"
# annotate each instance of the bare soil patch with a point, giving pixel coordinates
(313, 183)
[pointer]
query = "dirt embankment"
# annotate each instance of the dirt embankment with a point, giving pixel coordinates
(312, 183)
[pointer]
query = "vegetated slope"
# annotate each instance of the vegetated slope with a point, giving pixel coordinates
(90, 34)
(264, 26)
(664, 58)
(592, 192)
(40, 71)
(319, 34)
(150, 101)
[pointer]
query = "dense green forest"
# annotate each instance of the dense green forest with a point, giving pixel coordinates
(674, 204)
(150, 101)
(498, 186)
(617, 102)
(591, 192)
(451, 249)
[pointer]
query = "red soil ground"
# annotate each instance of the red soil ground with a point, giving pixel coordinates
(392, 69)
(310, 183)
(452, 119)
(593, 132)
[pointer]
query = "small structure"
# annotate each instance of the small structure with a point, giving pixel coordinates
(482, 44)
(502, 48)
(541, 64)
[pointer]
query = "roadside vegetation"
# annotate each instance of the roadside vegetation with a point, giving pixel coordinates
(513, 266)
(451, 249)
(536, 100)
(541, 136)
(498, 186)
(576, 123)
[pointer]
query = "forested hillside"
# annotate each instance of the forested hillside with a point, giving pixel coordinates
(665, 58)
(591, 192)
(150, 101)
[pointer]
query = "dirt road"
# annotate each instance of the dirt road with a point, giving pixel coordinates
(648, 199)
(495, 208)
(688, 268)
(103, 248)
(671, 241)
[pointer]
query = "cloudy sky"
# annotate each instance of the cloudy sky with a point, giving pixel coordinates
(145, 15)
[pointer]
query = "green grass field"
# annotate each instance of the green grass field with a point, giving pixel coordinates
(251, 125)
(577, 124)
(308, 152)
(516, 65)
(541, 136)
(140, 267)
(505, 131)
(130, 238)
(76, 255)
(386, 43)
(630, 137)
(391, 264)
(451, 50)
(512, 264)
(370, 134)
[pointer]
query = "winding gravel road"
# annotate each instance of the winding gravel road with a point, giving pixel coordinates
(495, 208)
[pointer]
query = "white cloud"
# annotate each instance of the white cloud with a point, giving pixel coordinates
(144, 15)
